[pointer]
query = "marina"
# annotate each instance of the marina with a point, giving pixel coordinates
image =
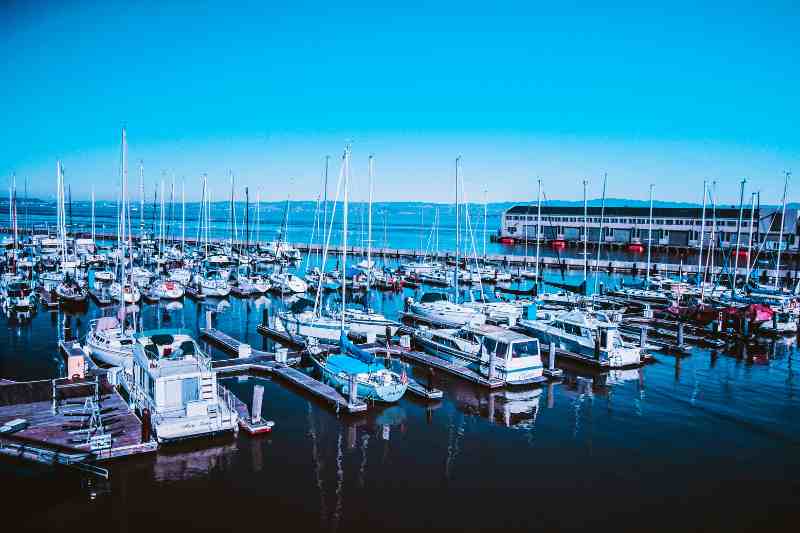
(399, 268)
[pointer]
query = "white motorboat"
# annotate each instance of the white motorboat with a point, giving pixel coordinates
(288, 283)
(174, 385)
(107, 343)
(435, 308)
(588, 335)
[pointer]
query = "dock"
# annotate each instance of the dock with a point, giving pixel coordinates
(70, 423)
(453, 369)
(265, 362)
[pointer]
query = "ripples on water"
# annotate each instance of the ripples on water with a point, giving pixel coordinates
(707, 442)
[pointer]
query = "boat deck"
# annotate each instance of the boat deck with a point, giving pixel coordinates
(440, 364)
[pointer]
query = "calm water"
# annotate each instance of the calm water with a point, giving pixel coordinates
(710, 442)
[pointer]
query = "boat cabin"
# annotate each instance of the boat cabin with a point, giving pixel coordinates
(174, 380)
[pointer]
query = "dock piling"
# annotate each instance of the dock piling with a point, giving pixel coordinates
(680, 334)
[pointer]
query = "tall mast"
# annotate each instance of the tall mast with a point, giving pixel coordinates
(141, 199)
(702, 234)
(600, 237)
(649, 238)
(369, 227)
(780, 232)
(455, 270)
(538, 228)
(230, 214)
(344, 232)
(325, 200)
(258, 217)
(183, 215)
(750, 236)
(585, 234)
(246, 219)
(738, 237)
(485, 209)
(93, 231)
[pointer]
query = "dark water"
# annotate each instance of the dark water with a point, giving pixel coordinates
(710, 442)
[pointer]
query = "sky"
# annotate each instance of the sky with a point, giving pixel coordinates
(668, 94)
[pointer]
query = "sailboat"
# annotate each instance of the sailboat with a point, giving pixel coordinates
(69, 290)
(436, 307)
(354, 365)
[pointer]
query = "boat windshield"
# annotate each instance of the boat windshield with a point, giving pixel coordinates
(525, 349)
(429, 297)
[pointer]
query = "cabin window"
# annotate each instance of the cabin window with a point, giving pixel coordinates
(490, 345)
(524, 349)
(190, 390)
(502, 349)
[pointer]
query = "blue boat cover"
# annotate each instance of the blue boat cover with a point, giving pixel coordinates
(358, 353)
(347, 364)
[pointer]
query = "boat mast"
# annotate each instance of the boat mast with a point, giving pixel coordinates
(455, 270)
(600, 236)
(585, 235)
(538, 229)
(780, 232)
(258, 217)
(183, 215)
(702, 233)
(369, 229)
(649, 239)
(485, 209)
(247, 220)
(750, 236)
(738, 237)
(344, 233)
(141, 199)
(93, 227)
(123, 195)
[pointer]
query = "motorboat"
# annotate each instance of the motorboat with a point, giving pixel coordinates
(436, 308)
(493, 351)
(288, 283)
(588, 335)
(174, 386)
(107, 342)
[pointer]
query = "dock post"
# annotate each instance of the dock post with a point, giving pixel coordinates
(353, 396)
(643, 337)
(208, 320)
(491, 366)
(265, 317)
(680, 333)
(552, 357)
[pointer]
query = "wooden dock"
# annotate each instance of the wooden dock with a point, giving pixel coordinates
(58, 426)
(264, 362)
(446, 366)
(281, 336)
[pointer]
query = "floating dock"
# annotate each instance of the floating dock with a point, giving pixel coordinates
(265, 362)
(70, 422)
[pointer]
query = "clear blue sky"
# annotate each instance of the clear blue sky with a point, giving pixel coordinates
(666, 94)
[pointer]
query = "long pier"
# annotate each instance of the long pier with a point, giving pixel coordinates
(671, 259)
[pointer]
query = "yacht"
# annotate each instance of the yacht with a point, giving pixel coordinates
(588, 335)
(213, 283)
(490, 350)
(434, 307)
(287, 283)
(309, 325)
(174, 384)
(167, 290)
(107, 342)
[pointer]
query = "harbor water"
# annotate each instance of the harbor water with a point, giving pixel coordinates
(707, 442)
